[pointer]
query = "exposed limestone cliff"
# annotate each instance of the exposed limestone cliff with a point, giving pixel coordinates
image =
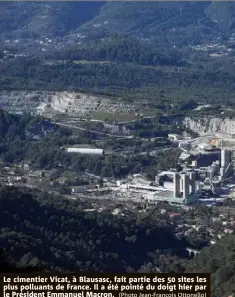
(209, 125)
(84, 104)
(69, 102)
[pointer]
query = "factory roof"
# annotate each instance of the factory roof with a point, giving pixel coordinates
(166, 194)
(142, 187)
(161, 195)
(85, 150)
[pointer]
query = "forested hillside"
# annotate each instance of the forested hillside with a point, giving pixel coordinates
(55, 233)
(122, 66)
(220, 261)
(119, 49)
(36, 19)
(40, 231)
(164, 23)
(17, 144)
(131, 50)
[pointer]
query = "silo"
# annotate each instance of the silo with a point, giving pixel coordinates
(226, 156)
(223, 158)
(185, 179)
(192, 184)
(176, 180)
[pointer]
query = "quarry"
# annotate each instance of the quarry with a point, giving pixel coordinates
(73, 106)
(205, 165)
(71, 103)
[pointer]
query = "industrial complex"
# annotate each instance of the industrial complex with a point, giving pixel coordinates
(205, 174)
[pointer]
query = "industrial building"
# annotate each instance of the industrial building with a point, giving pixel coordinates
(174, 137)
(169, 186)
(212, 162)
(203, 175)
(89, 151)
(188, 185)
(181, 189)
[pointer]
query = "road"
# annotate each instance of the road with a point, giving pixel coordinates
(93, 131)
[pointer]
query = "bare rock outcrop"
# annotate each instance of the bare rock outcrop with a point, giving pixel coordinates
(210, 125)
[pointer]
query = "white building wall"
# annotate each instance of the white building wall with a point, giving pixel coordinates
(85, 151)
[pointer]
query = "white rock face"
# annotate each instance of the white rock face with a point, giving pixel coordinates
(84, 104)
(69, 102)
(210, 125)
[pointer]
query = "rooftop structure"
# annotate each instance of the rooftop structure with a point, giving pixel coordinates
(90, 151)
(174, 137)
(182, 191)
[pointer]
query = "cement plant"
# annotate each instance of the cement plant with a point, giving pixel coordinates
(205, 174)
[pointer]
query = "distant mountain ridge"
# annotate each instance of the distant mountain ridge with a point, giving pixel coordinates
(37, 19)
(162, 22)
(167, 22)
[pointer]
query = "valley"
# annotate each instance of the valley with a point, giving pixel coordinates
(117, 148)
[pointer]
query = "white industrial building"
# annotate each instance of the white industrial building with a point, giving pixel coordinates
(89, 151)
(226, 163)
(182, 190)
(174, 137)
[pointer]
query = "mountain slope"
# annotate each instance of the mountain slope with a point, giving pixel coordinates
(219, 260)
(150, 20)
(58, 235)
(36, 19)
(164, 22)
(174, 23)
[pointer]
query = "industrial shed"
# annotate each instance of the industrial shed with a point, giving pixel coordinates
(89, 151)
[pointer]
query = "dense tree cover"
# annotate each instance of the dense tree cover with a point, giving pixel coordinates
(17, 144)
(45, 232)
(219, 260)
(8, 265)
(55, 233)
(159, 126)
(120, 49)
(126, 73)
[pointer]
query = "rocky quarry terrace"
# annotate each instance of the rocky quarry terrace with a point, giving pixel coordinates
(80, 104)
(210, 125)
(62, 102)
